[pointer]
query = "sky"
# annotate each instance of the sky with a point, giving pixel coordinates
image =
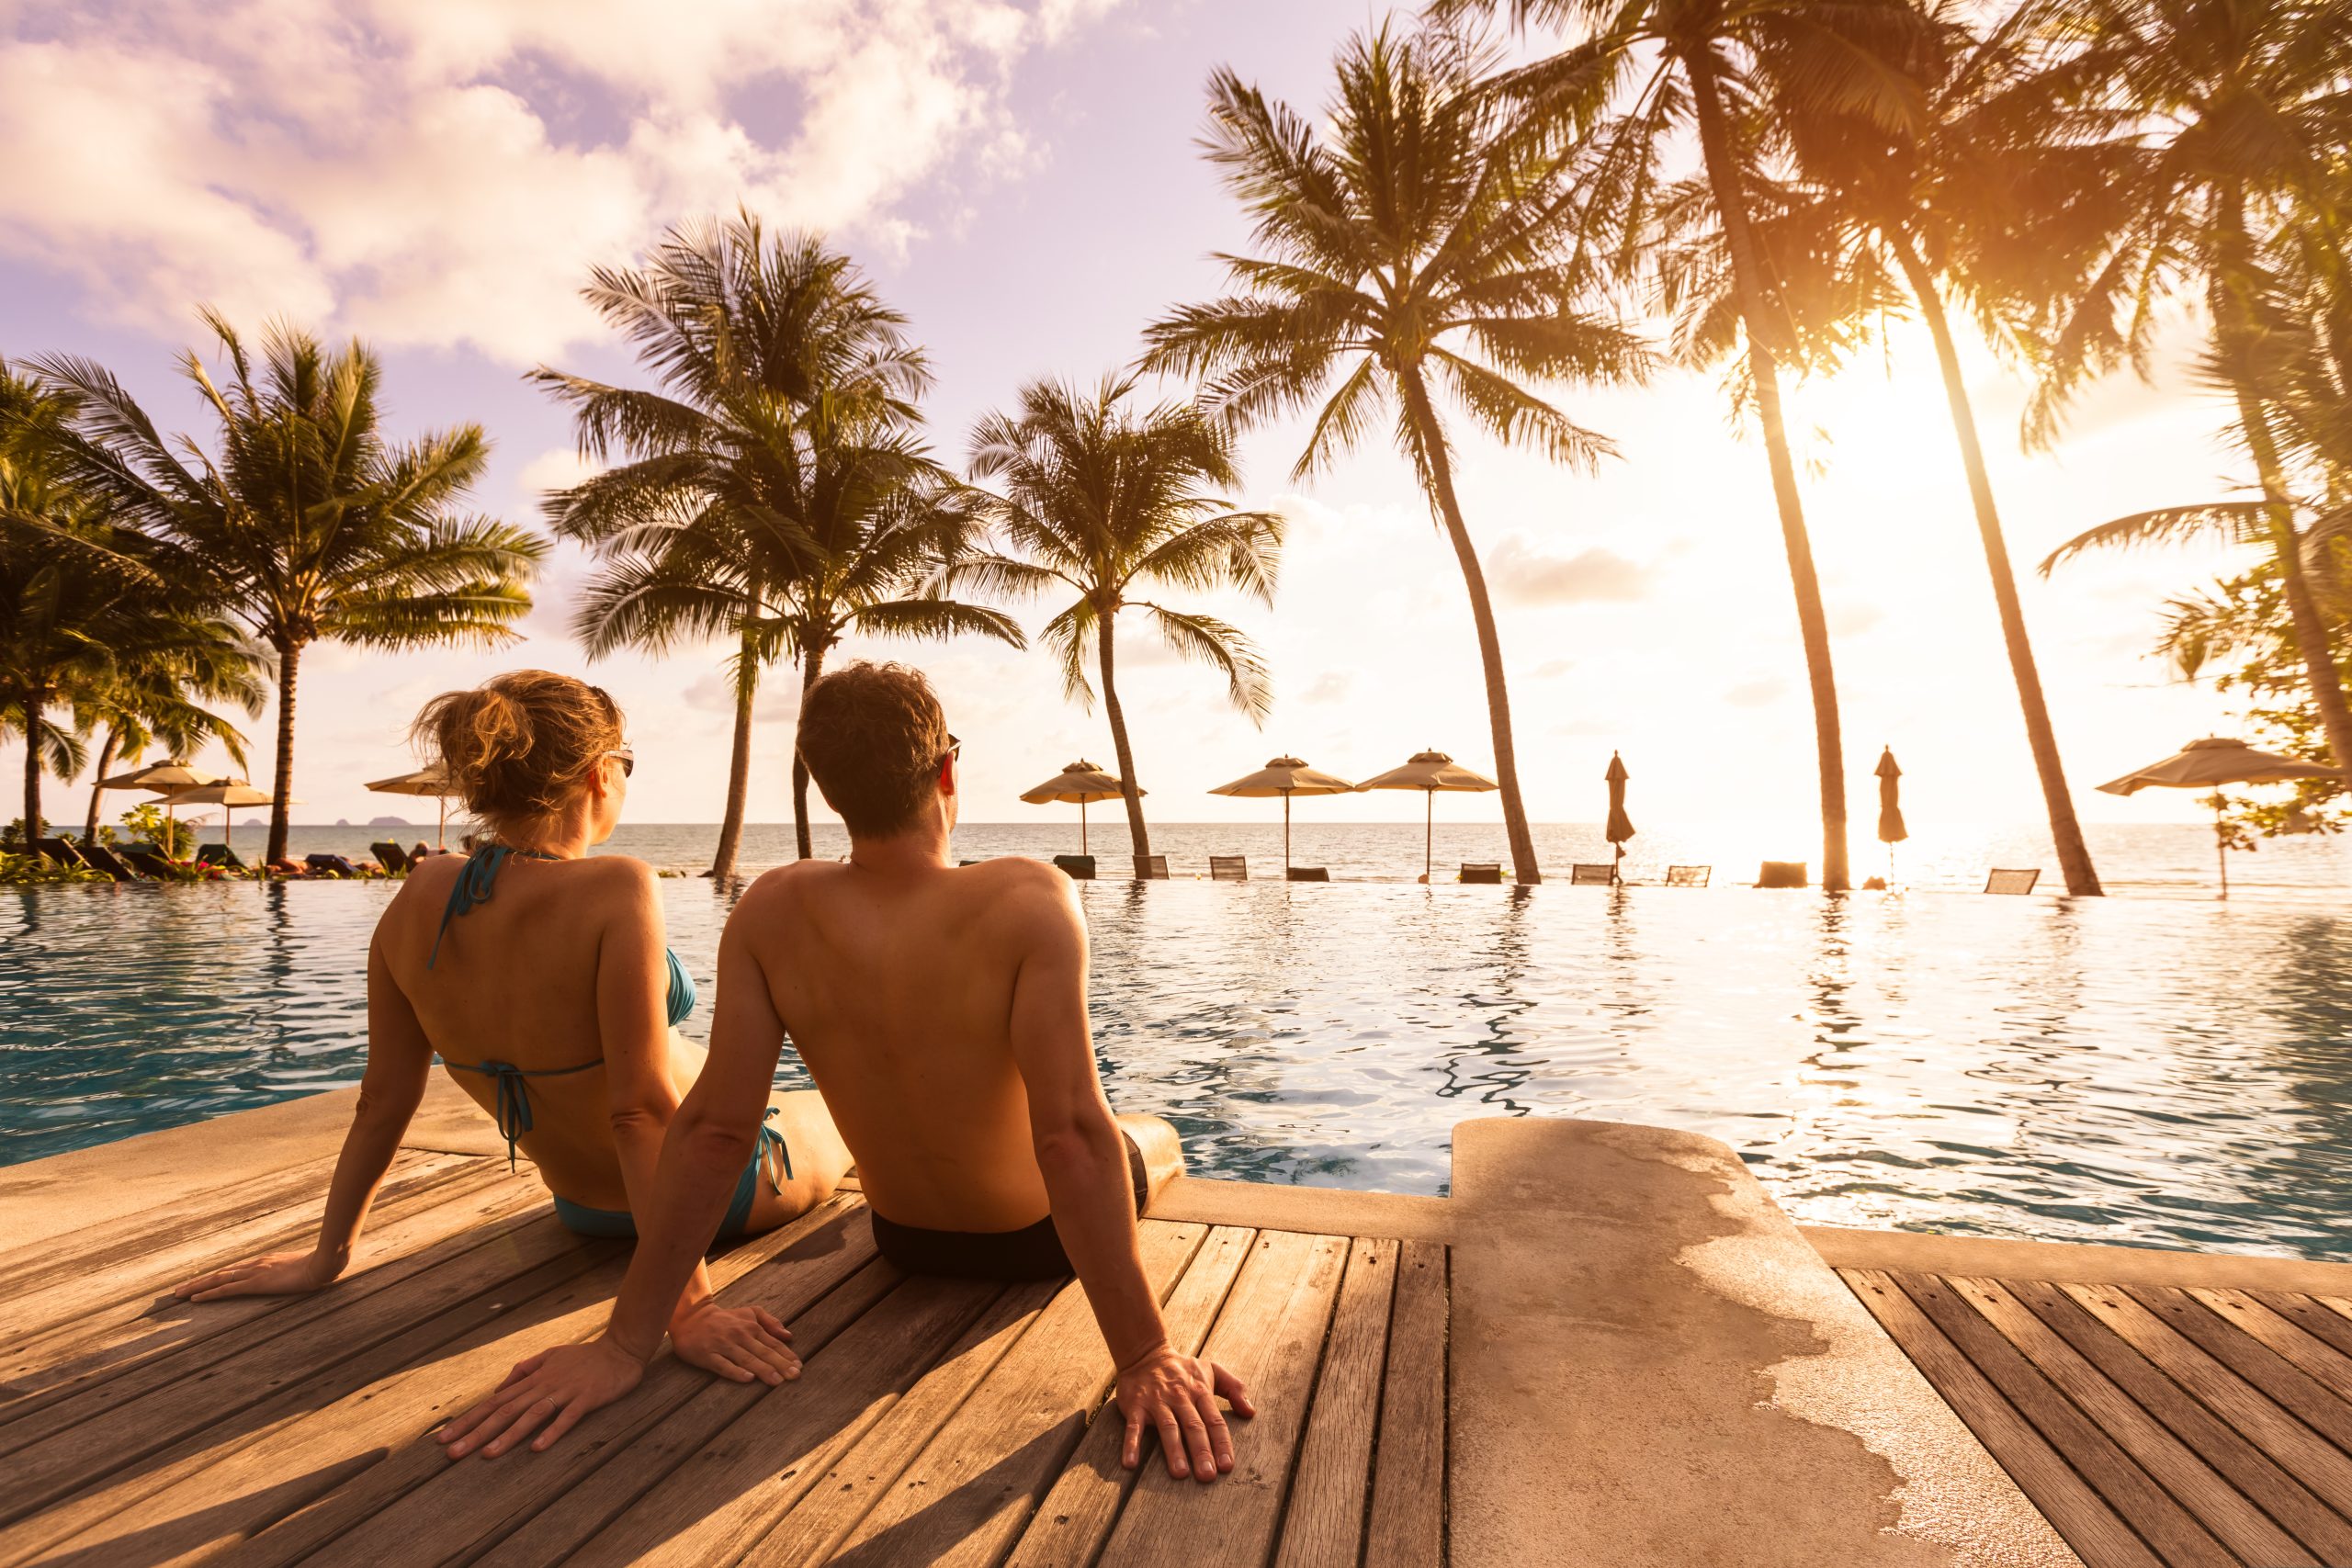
(437, 176)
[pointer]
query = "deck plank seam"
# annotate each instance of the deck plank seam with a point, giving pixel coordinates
(2310, 1398)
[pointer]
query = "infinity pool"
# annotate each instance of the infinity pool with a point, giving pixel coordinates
(2162, 1072)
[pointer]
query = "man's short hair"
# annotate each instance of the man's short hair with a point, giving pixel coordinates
(873, 736)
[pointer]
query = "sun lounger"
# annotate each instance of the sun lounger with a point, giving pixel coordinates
(101, 858)
(220, 855)
(1782, 873)
(1491, 871)
(148, 860)
(2012, 881)
(1584, 874)
(1151, 868)
(1078, 868)
(1228, 868)
(1308, 874)
(1689, 875)
(59, 851)
(391, 857)
(331, 865)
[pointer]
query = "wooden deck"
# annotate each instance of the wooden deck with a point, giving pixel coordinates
(937, 1421)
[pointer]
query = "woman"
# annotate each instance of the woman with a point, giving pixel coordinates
(540, 978)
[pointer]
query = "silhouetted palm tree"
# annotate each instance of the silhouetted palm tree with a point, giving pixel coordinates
(1672, 65)
(305, 522)
(1411, 242)
(1104, 501)
(726, 317)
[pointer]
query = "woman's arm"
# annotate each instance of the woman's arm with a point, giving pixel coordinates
(399, 1060)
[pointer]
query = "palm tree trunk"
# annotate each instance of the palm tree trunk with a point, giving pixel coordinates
(739, 766)
(812, 665)
(105, 761)
(1130, 791)
(2233, 331)
(2066, 833)
(1813, 623)
(1440, 468)
(281, 789)
(32, 770)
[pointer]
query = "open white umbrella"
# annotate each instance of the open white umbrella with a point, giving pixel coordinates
(1285, 776)
(227, 795)
(1081, 783)
(166, 779)
(1430, 772)
(424, 781)
(2209, 764)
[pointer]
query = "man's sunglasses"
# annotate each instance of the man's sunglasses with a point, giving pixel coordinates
(954, 750)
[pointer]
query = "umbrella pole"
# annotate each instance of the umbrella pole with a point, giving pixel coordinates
(441, 828)
(1081, 828)
(1429, 831)
(1285, 832)
(2221, 846)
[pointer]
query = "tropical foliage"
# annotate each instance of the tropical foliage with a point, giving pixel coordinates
(1096, 498)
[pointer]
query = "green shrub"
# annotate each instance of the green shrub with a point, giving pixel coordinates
(33, 871)
(175, 837)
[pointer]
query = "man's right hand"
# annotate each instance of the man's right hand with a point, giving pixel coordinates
(553, 1389)
(1176, 1395)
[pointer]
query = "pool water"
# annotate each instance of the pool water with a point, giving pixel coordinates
(2155, 1071)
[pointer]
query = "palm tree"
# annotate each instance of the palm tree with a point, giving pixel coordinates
(721, 314)
(1906, 215)
(801, 525)
(1413, 243)
(1103, 501)
(2239, 110)
(1713, 64)
(308, 522)
(155, 697)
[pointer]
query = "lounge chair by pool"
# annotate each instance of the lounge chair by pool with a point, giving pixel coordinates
(1482, 872)
(220, 855)
(59, 851)
(331, 866)
(2012, 881)
(1689, 875)
(100, 858)
(1307, 874)
(1228, 868)
(1782, 873)
(391, 857)
(1151, 868)
(1584, 874)
(1078, 868)
(148, 860)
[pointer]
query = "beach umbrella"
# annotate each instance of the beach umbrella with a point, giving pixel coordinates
(161, 778)
(2209, 764)
(1081, 783)
(1621, 827)
(424, 781)
(1285, 776)
(1891, 830)
(226, 793)
(1430, 772)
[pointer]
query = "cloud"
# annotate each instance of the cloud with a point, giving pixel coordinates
(1522, 574)
(777, 701)
(444, 171)
(1757, 694)
(1332, 686)
(1551, 669)
(1853, 620)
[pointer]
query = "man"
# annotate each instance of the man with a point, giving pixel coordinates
(942, 1011)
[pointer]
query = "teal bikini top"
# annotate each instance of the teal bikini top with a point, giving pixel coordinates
(475, 880)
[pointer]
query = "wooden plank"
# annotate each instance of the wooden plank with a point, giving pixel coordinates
(2094, 1529)
(1271, 1336)
(2196, 1485)
(1323, 1525)
(2283, 1497)
(2287, 1441)
(2307, 1353)
(94, 1435)
(1408, 1523)
(1076, 1517)
(175, 1339)
(455, 1512)
(835, 1500)
(77, 1297)
(2320, 1318)
(968, 1494)
(215, 1486)
(128, 1236)
(720, 1491)
(2291, 1390)
(2162, 1523)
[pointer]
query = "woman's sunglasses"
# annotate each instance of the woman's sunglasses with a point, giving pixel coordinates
(627, 761)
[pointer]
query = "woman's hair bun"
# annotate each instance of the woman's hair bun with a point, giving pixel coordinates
(519, 746)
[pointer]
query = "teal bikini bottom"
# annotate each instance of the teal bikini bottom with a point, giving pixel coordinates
(581, 1220)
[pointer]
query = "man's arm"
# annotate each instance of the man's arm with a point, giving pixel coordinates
(678, 1204)
(1084, 1162)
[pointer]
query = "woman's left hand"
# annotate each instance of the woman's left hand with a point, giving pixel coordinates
(271, 1274)
(740, 1343)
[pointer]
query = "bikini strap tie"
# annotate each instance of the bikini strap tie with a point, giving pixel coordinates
(512, 1107)
(772, 1139)
(475, 879)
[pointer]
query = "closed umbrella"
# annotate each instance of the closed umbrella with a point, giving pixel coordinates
(424, 781)
(2209, 764)
(226, 793)
(1621, 827)
(1430, 772)
(162, 778)
(1891, 830)
(1285, 776)
(1081, 783)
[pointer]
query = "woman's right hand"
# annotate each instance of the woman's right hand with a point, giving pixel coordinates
(271, 1274)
